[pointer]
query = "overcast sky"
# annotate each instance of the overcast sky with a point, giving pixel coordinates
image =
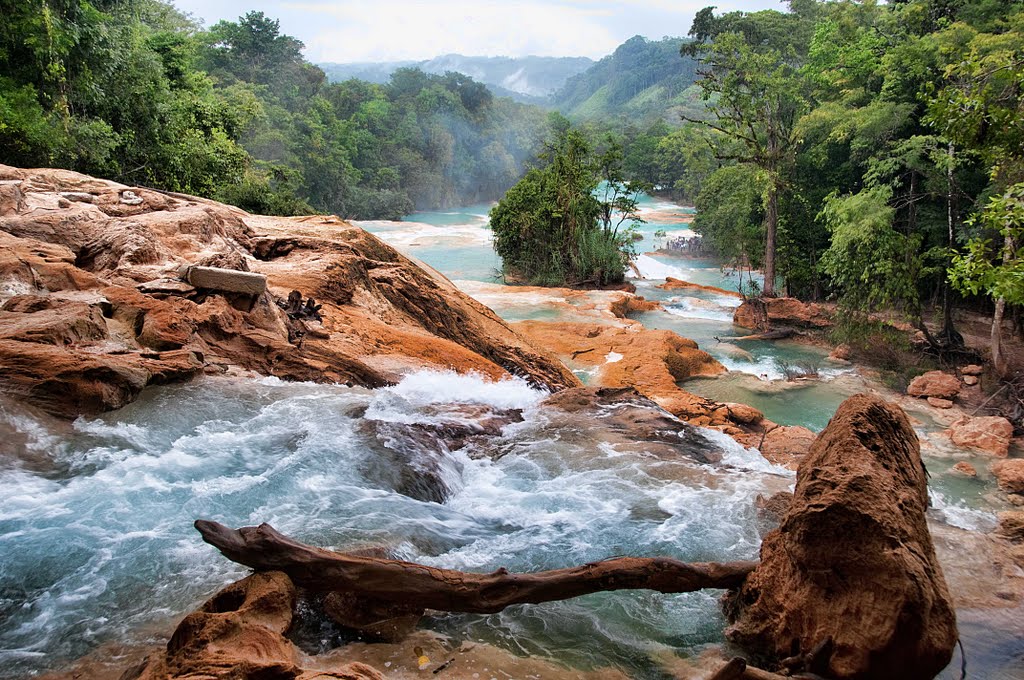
(394, 30)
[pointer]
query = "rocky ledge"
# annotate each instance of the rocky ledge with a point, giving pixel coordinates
(93, 307)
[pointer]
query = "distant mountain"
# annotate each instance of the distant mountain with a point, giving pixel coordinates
(641, 81)
(530, 79)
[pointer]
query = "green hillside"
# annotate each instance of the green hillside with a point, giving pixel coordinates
(642, 81)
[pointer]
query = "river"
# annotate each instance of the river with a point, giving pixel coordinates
(98, 555)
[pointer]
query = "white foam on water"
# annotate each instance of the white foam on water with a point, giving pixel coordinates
(699, 308)
(420, 234)
(957, 514)
(650, 268)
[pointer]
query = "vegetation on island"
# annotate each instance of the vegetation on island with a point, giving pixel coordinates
(568, 221)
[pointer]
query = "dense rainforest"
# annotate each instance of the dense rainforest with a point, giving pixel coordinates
(135, 91)
(872, 153)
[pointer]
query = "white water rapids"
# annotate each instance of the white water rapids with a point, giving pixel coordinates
(97, 545)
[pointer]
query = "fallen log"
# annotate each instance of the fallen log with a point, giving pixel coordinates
(416, 585)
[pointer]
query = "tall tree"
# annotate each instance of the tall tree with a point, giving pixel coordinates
(751, 81)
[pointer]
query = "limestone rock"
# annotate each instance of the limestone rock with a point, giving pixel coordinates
(787, 445)
(853, 559)
(652, 361)
(92, 317)
(965, 468)
(240, 633)
(841, 353)
(940, 403)
(991, 434)
(741, 413)
(1011, 525)
(678, 284)
(762, 313)
(970, 380)
(934, 384)
(1010, 475)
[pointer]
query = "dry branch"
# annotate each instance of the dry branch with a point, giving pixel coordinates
(417, 585)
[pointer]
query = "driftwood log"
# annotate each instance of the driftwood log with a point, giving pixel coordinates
(415, 585)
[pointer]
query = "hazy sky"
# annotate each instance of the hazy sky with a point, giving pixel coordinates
(392, 30)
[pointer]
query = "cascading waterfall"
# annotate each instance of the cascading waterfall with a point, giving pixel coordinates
(95, 517)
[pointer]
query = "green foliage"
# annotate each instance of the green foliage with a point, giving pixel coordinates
(643, 80)
(995, 269)
(561, 224)
(134, 91)
(875, 266)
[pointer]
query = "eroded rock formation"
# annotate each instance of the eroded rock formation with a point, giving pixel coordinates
(94, 309)
(851, 573)
(767, 313)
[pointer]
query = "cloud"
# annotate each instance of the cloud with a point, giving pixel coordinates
(411, 30)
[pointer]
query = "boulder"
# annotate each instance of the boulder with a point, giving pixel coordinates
(934, 384)
(991, 434)
(972, 369)
(841, 353)
(766, 313)
(743, 414)
(240, 633)
(1011, 525)
(787, 445)
(971, 380)
(1010, 475)
(850, 577)
(965, 468)
(940, 403)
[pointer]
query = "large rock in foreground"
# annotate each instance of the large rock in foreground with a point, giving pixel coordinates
(853, 560)
(92, 309)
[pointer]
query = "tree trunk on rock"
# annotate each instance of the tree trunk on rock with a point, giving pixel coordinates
(417, 585)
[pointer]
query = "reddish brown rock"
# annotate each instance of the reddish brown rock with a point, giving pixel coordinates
(240, 633)
(652, 361)
(787, 445)
(972, 369)
(841, 353)
(1010, 475)
(853, 559)
(678, 284)
(743, 414)
(92, 303)
(1011, 525)
(940, 403)
(934, 384)
(966, 469)
(765, 313)
(991, 434)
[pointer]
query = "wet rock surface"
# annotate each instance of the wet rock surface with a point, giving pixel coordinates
(851, 573)
(94, 311)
